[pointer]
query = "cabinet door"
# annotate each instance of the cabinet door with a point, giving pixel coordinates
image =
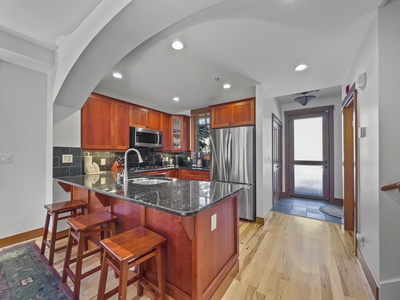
(194, 175)
(221, 116)
(166, 130)
(180, 132)
(137, 116)
(243, 113)
(153, 119)
(120, 125)
(96, 116)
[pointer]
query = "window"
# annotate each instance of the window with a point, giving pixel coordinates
(201, 130)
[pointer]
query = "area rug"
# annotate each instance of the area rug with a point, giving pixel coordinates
(25, 274)
(332, 210)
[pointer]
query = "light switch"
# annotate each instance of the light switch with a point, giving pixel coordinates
(103, 161)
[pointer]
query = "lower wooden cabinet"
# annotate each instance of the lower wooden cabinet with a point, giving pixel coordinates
(202, 175)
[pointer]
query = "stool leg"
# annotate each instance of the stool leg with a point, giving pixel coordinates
(139, 270)
(45, 233)
(103, 277)
(78, 270)
(70, 242)
(123, 280)
(53, 238)
(160, 274)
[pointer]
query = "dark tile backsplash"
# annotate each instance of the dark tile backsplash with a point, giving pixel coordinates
(77, 166)
(67, 169)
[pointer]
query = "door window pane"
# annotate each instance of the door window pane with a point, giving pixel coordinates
(308, 180)
(308, 139)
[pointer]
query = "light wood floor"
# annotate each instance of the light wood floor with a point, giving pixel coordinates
(288, 258)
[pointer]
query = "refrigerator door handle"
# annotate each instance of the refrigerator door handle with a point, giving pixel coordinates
(229, 163)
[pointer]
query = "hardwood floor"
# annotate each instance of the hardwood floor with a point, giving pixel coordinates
(293, 257)
(288, 258)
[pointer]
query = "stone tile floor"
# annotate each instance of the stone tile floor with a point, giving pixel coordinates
(305, 208)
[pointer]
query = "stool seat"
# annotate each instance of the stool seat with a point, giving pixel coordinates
(130, 249)
(70, 208)
(81, 228)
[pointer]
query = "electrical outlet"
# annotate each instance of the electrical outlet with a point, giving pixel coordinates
(103, 180)
(67, 158)
(6, 158)
(213, 222)
(102, 161)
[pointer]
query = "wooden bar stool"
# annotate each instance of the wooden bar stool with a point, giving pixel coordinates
(81, 228)
(71, 208)
(129, 249)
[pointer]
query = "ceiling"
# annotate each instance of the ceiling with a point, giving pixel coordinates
(245, 43)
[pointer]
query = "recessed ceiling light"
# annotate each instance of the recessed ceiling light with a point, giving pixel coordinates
(301, 67)
(117, 75)
(178, 45)
(175, 98)
(226, 86)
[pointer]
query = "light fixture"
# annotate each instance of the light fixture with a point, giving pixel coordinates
(301, 67)
(226, 86)
(175, 98)
(117, 75)
(178, 45)
(303, 100)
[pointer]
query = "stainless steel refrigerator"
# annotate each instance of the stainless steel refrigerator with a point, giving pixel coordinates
(233, 160)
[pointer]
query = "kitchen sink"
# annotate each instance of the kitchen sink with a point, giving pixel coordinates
(148, 181)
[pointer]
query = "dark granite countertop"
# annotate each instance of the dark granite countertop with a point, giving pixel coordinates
(177, 196)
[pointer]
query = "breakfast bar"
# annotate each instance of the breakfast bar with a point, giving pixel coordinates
(199, 219)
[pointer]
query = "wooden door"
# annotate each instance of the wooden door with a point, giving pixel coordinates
(153, 119)
(243, 113)
(120, 127)
(96, 116)
(309, 148)
(137, 116)
(276, 158)
(350, 162)
(221, 116)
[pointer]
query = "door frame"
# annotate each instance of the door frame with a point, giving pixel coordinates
(350, 162)
(329, 109)
(275, 119)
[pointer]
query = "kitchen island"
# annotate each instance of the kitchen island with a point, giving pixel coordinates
(198, 218)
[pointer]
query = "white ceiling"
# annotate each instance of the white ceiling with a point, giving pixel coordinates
(245, 43)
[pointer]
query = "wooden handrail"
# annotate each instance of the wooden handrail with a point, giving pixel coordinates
(392, 186)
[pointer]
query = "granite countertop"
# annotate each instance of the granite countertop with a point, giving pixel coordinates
(175, 167)
(177, 196)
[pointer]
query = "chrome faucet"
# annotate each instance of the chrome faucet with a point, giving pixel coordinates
(126, 162)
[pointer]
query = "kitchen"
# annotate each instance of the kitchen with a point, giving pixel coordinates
(59, 125)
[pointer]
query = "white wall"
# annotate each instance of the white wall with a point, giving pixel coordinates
(337, 136)
(389, 148)
(265, 107)
(24, 124)
(367, 61)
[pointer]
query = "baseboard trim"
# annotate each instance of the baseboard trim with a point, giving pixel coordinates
(336, 201)
(262, 221)
(368, 274)
(22, 237)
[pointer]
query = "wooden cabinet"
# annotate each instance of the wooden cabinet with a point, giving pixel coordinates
(180, 132)
(104, 124)
(167, 173)
(166, 130)
(144, 117)
(236, 113)
(202, 175)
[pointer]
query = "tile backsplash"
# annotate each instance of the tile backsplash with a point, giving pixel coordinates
(108, 158)
(67, 169)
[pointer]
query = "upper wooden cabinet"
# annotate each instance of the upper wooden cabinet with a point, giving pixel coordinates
(166, 129)
(104, 124)
(236, 113)
(144, 117)
(180, 131)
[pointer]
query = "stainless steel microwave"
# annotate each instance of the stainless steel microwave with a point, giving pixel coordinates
(143, 137)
